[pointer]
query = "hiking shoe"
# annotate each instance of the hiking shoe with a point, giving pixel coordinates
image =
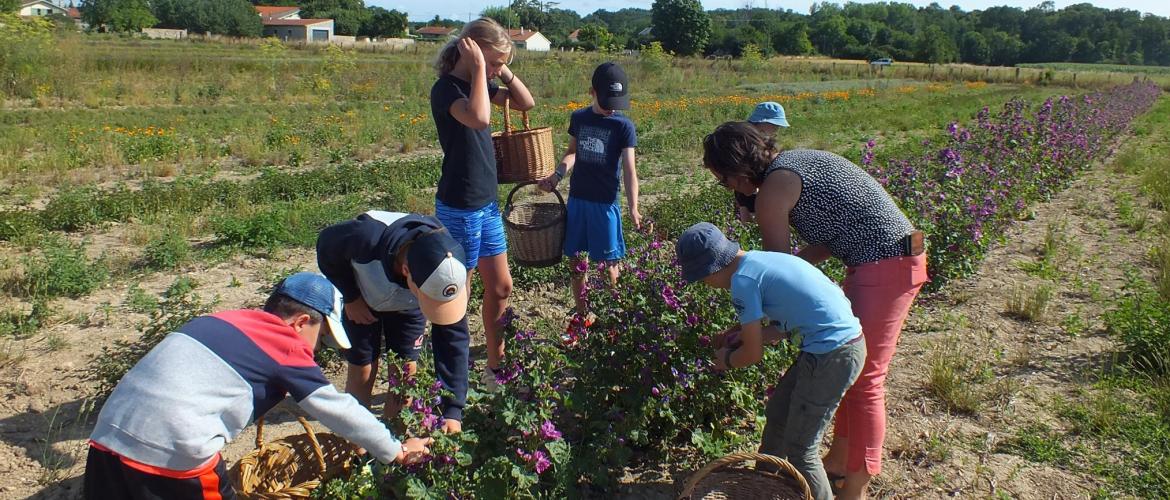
(488, 381)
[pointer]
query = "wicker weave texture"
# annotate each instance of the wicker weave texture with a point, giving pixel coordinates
(535, 230)
(291, 467)
(726, 479)
(523, 155)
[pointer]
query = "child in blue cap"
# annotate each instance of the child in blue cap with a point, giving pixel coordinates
(768, 117)
(601, 158)
(794, 299)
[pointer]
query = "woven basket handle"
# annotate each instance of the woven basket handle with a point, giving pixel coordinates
(507, 117)
(527, 126)
(735, 458)
(508, 203)
(308, 430)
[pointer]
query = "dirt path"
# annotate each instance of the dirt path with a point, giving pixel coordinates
(1016, 368)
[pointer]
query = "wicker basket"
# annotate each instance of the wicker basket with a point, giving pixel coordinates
(291, 467)
(726, 479)
(535, 229)
(523, 155)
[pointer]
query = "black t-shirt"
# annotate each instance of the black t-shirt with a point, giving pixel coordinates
(468, 180)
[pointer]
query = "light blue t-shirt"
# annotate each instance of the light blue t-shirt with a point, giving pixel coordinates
(797, 296)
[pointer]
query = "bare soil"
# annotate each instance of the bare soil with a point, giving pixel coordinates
(45, 417)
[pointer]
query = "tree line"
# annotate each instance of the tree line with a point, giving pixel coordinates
(998, 35)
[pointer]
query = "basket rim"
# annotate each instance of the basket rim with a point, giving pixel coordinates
(509, 206)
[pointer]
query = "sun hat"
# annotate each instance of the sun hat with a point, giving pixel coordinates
(769, 112)
(611, 86)
(438, 276)
(703, 250)
(315, 291)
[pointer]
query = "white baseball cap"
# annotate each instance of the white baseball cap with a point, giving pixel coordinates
(437, 275)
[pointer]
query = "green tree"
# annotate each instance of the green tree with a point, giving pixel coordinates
(974, 48)
(221, 17)
(934, 46)
(117, 15)
(594, 37)
(384, 24)
(1004, 49)
(792, 40)
(503, 15)
(348, 15)
(9, 6)
(681, 25)
(829, 35)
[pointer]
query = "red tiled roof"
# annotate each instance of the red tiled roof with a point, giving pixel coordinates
(434, 30)
(268, 11)
(575, 34)
(74, 13)
(294, 22)
(521, 35)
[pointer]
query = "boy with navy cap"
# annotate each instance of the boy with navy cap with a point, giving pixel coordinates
(160, 432)
(796, 300)
(396, 271)
(601, 157)
(768, 117)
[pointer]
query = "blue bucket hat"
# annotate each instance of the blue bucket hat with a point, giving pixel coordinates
(703, 250)
(769, 112)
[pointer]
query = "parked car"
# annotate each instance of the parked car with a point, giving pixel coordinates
(885, 61)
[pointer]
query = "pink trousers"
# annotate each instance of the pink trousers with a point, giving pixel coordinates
(881, 294)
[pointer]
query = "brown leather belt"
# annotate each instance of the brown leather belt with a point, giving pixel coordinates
(913, 244)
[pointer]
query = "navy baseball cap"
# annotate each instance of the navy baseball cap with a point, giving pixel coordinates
(611, 86)
(703, 250)
(438, 276)
(316, 292)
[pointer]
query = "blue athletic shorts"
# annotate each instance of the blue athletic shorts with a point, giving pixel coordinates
(402, 330)
(479, 231)
(595, 228)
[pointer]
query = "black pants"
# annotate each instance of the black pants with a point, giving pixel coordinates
(107, 478)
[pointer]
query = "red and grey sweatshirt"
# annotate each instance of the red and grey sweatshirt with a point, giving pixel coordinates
(198, 388)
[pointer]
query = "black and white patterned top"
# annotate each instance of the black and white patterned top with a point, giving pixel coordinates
(843, 207)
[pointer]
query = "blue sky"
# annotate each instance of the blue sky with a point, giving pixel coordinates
(421, 10)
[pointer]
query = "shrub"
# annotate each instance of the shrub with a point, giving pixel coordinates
(167, 251)
(1141, 320)
(60, 268)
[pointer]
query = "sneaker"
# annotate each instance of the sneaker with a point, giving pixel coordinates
(576, 329)
(487, 380)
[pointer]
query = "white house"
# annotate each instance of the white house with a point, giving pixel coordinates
(530, 40)
(286, 24)
(40, 8)
(299, 30)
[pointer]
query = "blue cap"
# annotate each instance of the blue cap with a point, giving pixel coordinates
(316, 292)
(703, 250)
(769, 112)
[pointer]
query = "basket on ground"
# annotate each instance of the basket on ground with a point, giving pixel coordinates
(728, 479)
(291, 467)
(535, 229)
(523, 155)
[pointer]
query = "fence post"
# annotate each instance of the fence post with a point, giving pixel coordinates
(1017, 74)
(1074, 80)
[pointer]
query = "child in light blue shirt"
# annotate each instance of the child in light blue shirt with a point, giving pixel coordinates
(796, 300)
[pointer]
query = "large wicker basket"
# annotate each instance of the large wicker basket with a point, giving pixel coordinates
(727, 479)
(291, 467)
(523, 155)
(535, 229)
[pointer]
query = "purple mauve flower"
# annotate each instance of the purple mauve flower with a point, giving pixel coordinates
(549, 432)
(431, 421)
(541, 461)
(692, 320)
(654, 390)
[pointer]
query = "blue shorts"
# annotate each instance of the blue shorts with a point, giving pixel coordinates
(479, 231)
(402, 331)
(595, 228)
